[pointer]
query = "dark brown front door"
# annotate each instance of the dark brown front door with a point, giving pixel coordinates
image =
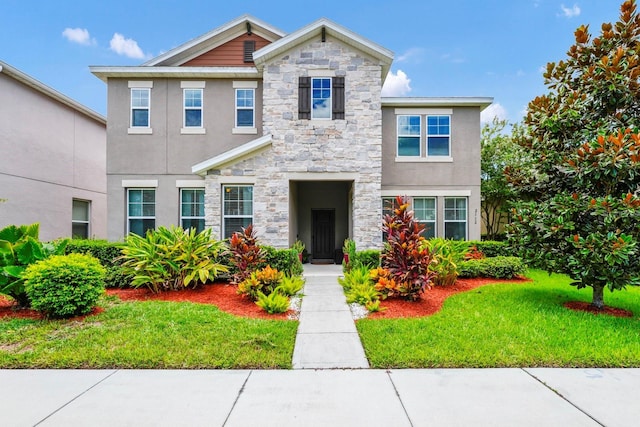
(324, 225)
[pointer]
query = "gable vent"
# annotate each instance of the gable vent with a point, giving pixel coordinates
(249, 48)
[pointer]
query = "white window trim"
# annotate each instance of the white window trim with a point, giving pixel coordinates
(188, 217)
(322, 119)
(420, 144)
(139, 183)
(445, 221)
(192, 129)
(78, 221)
(139, 130)
(129, 217)
(426, 138)
(225, 216)
(428, 159)
(190, 183)
(192, 84)
(245, 84)
(424, 111)
(245, 129)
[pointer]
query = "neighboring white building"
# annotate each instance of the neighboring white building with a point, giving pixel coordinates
(52, 160)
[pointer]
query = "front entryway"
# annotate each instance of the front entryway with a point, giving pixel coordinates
(323, 234)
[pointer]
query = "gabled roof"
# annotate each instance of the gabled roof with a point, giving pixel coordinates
(51, 93)
(383, 55)
(232, 155)
(215, 38)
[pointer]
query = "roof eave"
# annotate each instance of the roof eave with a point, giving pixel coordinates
(50, 92)
(232, 155)
(104, 73)
(452, 101)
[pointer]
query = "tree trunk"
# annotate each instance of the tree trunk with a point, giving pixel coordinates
(598, 297)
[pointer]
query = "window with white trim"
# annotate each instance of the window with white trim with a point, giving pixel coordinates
(438, 135)
(409, 136)
(455, 218)
(192, 108)
(237, 208)
(80, 219)
(424, 209)
(192, 208)
(141, 210)
(321, 98)
(140, 107)
(245, 108)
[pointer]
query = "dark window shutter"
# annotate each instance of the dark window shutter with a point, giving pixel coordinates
(304, 98)
(249, 48)
(337, 107)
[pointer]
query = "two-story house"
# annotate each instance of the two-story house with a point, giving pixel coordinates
(52, 160)
(288, 132)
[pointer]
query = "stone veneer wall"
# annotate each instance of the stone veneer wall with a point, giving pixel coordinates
(352, 145)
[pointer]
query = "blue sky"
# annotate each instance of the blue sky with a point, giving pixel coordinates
(493, 48)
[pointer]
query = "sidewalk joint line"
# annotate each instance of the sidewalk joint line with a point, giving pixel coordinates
(399, 398)
(237, 398)
(78, 396)
(562, 397)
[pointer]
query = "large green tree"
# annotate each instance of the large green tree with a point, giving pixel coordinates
(585, 217)
(498, 152)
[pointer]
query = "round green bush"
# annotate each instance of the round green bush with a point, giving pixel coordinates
(64, 286)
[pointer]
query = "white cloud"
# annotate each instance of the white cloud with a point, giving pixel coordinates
(78, 35)
(493, 110)
(127, 47)
(570, 12)
(396, 84)
(414, 53)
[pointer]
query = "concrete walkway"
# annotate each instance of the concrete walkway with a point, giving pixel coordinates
(327, 336)
(361, 397)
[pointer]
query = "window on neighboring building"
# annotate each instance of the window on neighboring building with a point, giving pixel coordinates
(237, 209)
(140, 101)
(192, 108)
(455, 218)
(80, 219)
(321, 98)
(245, 108)
(409, 136)
(424, 209)
(438, 135)
(192, 208)
(141, 210)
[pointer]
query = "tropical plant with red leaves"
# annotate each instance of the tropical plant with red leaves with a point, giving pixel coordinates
(246, 255)
(405, 258)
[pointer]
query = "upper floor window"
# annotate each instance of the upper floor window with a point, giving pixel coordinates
(409, 136)
(140, 102)
(192, 108)
(245, 100)
(438, 135)
(321, 98)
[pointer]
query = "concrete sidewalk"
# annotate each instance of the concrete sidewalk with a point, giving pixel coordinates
(438, 397)
(327, 337)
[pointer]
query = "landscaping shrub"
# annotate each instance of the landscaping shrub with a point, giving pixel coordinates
(369, 258)
(264, 281)
(348, 249)
(65, 285)
(492, 248)
(284, 260)
(405, 258)
(246, 255)
(172, 259)
(359, 288)
(19, 248)
(109, 254)
(273, 303)
(500, 267)
(290, 285)
(445, 266)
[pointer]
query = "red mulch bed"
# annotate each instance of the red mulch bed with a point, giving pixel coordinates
(9, 309)
(432, 300)
(224, 296)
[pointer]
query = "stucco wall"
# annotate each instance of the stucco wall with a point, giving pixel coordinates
(51, 154)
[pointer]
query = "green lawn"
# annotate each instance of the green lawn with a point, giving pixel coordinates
(151, 334)
(509, 326)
